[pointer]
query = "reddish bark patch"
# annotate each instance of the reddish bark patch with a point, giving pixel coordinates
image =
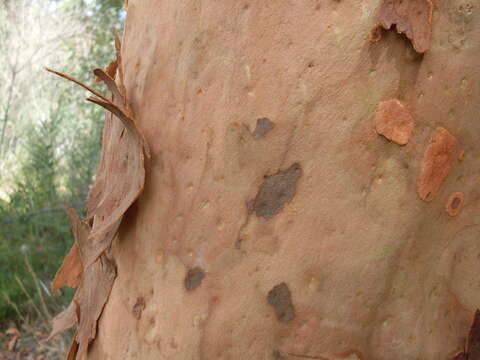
(280, 298)
(394, 121)
(437, 162)
(455, 203)
(412, 18)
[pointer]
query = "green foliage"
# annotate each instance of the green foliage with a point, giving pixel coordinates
(50, 154)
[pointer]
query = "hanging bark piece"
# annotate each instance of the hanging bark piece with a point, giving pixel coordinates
(121, 173)
(437, 162)
(65, 320)
(92, 297)
(70, 272)
(394, 121)
(411, 17)
(94, 290)
(119, 181)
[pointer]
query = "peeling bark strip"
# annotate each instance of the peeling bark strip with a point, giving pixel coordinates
(92, 294)
(120, 175)
(280, 298)
(394, 121)
(437, 162)
(277, 190)
(411, 17)
(65, 320)
(70, 272)
(111, 70)
(120, 178)
(194, 278)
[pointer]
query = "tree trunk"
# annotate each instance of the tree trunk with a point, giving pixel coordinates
(312, 190)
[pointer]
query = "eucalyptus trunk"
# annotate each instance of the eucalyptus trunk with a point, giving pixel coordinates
(310, 188)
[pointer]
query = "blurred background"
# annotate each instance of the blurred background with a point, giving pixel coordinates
(49, 147)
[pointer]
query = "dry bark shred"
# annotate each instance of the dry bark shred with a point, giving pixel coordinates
(115, 189)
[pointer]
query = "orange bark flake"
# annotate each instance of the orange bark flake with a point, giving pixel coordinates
(70, 273)
(437, 162)
(412, 18)
(394, 121)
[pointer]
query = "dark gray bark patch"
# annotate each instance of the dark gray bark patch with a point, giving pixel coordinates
(194, 278)
(280, 298)
(138, 308)
(276, 190)
(277, 356)
(264, 125)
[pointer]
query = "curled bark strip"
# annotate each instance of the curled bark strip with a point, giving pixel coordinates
(115, 110)
(111, 70)
(70, 272)
(71, 78)
(110, 82)
(121, 173)
(411, 17)
(120, 177)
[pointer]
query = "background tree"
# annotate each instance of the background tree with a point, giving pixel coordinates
(49, 143)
